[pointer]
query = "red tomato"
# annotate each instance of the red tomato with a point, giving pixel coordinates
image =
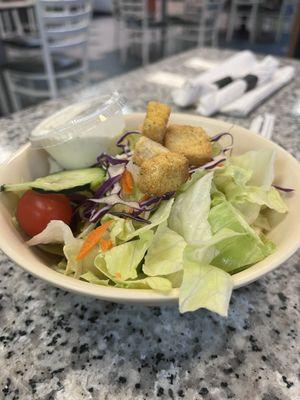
(36, 210)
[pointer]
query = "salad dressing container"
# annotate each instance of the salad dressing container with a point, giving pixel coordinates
(76, 135)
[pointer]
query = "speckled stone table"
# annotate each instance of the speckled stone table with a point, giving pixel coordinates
(61, 346)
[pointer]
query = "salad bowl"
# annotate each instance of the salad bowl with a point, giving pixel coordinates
(28, 164)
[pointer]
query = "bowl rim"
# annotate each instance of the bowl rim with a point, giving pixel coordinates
(148, 295)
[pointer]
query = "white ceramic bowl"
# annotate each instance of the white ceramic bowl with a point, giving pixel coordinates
(28, 164)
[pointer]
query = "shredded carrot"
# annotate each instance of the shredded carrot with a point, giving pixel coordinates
(92, 239)
(127, 182)
(145, 197)
(118, 275)
(106, 244)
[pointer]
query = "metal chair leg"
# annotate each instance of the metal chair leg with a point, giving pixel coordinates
(145, 49)
(31, 19)
(7, 21)
(4, 106)
(17, 22)
(253, 17)
(116, 35)
(215, 39)
(231, 22)
(15, 101)
(124, 47)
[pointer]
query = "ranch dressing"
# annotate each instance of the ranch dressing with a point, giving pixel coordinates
(76, 135)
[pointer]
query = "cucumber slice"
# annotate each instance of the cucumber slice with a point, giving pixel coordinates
(61, 182)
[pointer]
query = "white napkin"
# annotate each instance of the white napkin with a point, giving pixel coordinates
(210, 103)
(242, 106)
(199, 63)
(236, 66)
(166, 79)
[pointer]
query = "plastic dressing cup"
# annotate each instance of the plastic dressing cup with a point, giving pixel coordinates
(76, 135)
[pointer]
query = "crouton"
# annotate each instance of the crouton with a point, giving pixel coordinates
(156, 121)
(190, 141)
(146, 148)
(163, 173)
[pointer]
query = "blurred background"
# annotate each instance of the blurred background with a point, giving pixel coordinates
(49, 48)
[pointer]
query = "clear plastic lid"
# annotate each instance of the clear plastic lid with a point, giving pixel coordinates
(83, 119)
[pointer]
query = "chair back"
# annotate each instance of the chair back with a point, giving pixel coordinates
(196, 8)
(211, 10)
(288, 8)
(116, 9)
(63, 23)
(206, 13)
(63, 27)
(246, 2)
(17, 21)
(132, 11)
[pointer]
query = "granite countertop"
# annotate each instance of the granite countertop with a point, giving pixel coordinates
(62, 346)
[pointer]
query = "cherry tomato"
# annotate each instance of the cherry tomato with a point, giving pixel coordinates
(36, 210)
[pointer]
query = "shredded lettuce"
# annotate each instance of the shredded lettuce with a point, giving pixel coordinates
(231, 173)
(270, 198)
(205, 252)
(246, 182)
(122, 261)
(176, 278)
(120, 228)
(260, 163)
(59, 232)
(213, 228)
(204, 286)
(165, 254)
(55, 232)
(92, 278)
(189, 213)
(193, 179)
(237, 251)
(158, 217)
(262, 223)
(79, 267)
(154, 282)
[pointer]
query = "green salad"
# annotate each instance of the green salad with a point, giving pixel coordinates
(150, 217)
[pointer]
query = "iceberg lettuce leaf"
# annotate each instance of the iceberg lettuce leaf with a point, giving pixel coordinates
(270, 198)
(246, 182)
(261, 165)
(165, 254)
(158, 217)
(176, 278)
(262, 222)
(231, 173)
(74, 266)
(55, 232)
(120, 228)
(92, 278)
(153, 282)
(237, 251)
(193, 179)
(59, 232)
(190, 211)
(122, 261)
(205, 252)
(204, 286)
(249, 211)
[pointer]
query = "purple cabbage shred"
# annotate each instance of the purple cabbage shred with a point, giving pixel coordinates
(283, 189)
